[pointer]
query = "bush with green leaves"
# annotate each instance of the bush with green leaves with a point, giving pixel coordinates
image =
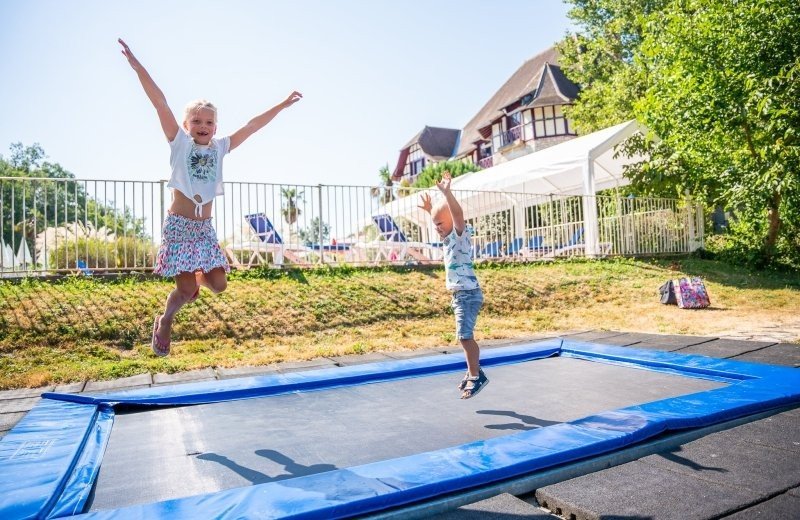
(125, 252)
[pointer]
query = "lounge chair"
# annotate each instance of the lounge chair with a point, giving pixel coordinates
(492, 249)
(392, 244)
(267, 240)
(515, 247)
(83, 268)
(576, 243)
(536, 247)
(337, 251)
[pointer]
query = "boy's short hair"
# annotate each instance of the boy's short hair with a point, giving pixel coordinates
(439, 206)
(197, 104)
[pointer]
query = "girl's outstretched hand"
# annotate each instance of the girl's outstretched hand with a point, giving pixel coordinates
(426, 205)
(293, 98)
(126, 51)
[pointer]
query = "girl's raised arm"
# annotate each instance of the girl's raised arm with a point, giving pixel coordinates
(168, 122)
(261, 120)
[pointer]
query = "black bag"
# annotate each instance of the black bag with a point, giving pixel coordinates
(667, 292)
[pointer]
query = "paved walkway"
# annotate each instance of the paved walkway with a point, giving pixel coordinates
(745, 472)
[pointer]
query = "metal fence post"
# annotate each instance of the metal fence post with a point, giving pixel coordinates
(319, 228)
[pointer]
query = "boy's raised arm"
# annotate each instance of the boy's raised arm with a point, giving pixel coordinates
(455, 208)
(261, 120)
(165, 115)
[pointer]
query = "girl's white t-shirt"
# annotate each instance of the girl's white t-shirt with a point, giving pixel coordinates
(196, 169)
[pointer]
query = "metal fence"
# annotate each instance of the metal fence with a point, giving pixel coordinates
(59, 226)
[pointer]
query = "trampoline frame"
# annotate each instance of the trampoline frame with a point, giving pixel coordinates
(50, 460)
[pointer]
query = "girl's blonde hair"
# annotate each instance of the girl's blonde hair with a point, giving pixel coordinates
(196, 105)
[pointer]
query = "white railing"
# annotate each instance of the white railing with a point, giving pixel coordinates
(61, 226)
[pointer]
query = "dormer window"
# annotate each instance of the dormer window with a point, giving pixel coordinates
(549, 121)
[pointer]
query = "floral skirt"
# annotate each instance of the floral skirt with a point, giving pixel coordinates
(187, 246)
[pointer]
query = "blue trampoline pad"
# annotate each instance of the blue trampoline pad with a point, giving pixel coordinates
(342, 442)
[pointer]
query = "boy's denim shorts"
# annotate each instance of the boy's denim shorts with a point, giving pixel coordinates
(466, 305)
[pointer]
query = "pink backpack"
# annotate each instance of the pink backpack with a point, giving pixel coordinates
(691, 293)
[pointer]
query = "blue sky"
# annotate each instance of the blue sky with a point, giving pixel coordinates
(373, 73)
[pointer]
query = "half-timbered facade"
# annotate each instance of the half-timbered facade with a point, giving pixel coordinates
(525, 115)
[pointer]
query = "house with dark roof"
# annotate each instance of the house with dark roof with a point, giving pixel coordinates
(430, 146)
(525, 115)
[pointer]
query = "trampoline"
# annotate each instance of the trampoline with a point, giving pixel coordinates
(359, 440)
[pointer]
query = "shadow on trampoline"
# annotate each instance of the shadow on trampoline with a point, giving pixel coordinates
(529, 422)
(293, 469)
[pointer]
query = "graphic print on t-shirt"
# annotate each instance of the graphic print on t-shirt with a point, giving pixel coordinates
(203, 165)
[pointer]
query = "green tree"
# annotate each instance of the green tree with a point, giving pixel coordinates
(384, 192)
(433, 173)
(37, 194)
(290, 210)
(716, 82)
(311, 234)
(600, 57)
(723, 83)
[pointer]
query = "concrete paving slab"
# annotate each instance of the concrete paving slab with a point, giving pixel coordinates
(24, 392)
(495, 343)
(795, 492)
(119, 384)
(8, 420)
(725, 348)
(294, 366)
(204, 374)
(653, 341)
(409, 354)
(71, 388)
(592, 335)
(18, 405)
(641, 491)
(783, 506)
(359, 359)
(781, 431)
(229, 373)
(501, 507)
(786, 354)
(730, 462)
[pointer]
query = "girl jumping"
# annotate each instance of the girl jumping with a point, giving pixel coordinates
(189, 249)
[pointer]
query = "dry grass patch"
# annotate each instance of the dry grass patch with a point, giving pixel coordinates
(81, 329)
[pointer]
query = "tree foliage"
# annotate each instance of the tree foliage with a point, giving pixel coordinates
(384, 192)
(311, 234)
(38, 194)
(432, 174)
(601, 58)
(717, 82)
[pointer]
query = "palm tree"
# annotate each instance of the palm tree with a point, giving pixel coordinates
(290, 210)
(384, 192)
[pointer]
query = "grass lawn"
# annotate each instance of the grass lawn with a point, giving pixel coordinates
(82, 328)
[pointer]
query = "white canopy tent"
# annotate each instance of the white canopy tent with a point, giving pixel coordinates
(580, 166)
(24, 256)
(9, 261)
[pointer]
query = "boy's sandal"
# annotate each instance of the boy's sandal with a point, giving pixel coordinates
(474, 385)
(160, 349)
(463, 384)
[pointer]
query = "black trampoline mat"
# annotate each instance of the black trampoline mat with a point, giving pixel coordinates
(177, 452)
